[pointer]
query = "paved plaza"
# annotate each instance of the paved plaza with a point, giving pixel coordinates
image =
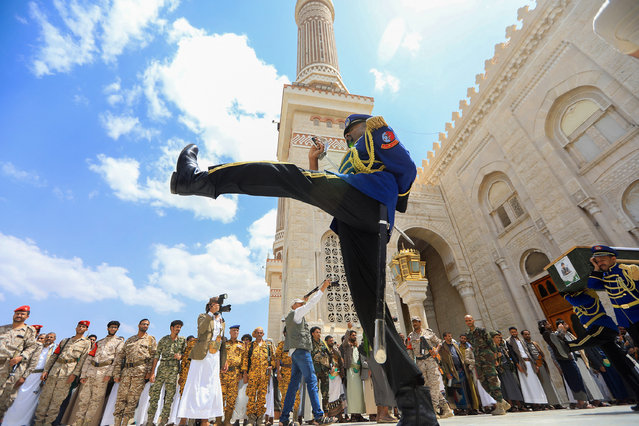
(616, 415)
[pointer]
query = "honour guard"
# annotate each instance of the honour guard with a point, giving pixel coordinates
(621, 282)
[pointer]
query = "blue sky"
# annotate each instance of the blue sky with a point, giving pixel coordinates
(98, 98)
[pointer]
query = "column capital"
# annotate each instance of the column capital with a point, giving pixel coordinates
(590, 205)
(413, 291)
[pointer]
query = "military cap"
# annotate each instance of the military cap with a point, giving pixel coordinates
(234, 326)
(297, 301)
(600, 250)
(37, 327)
(354, 119)
(23, 308)
(85, 322)
(416, 318)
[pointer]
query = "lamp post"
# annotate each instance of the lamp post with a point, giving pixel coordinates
(409, 272)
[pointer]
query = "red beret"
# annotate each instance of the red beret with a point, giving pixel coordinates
(24, 308)
(87, 323)
(38, 327)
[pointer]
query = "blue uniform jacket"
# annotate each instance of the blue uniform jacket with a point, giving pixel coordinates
(390, 174)
(620, 282)
(587, 306)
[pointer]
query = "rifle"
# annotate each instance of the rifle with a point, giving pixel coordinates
(332, 284)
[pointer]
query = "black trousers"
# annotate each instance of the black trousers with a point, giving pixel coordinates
(357, 218)
(604, 337)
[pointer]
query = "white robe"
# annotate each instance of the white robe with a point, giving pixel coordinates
(531, 387)
(486, 399)
(202, 396)
(239, 412)
(23, 408)
(107, 417)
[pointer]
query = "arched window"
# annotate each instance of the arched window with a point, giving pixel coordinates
(503, 203)
(339, 304)
(535, 263)
(630, 201)
(585, 124)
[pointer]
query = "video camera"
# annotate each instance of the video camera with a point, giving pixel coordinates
(220, 300)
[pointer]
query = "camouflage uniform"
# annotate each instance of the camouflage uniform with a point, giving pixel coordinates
(284, 378)
(186, 363)
(65, 361)
(256, 361)
(484, 350)
(166, 375)
(132, 366)
(322, 365)
(98, 365)
(13, 342)
(427, 363)
(231, 377)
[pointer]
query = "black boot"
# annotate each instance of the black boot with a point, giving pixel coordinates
(188, 179)
(416, 407)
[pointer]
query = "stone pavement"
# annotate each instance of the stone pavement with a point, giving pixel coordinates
(615, 415)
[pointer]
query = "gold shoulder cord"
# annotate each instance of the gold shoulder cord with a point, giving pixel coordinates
(372, 123)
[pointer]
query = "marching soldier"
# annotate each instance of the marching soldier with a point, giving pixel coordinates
(170, 349)
(257, 367)
(17, 346)
(132, 367)
(424, 344)
(96, 374)
(231, 377)
(59, 372)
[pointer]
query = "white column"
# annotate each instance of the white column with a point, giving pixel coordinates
(413, 294)
(465, 288)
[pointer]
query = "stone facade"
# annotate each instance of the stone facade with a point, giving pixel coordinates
(541, 157)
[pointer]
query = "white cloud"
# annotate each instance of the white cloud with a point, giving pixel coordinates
(223, 267)
(25, 269)
(385, 80)
(123, 177)
(262, 233)
(119, 125)
(412, 42)
(76, 46)
(128, 23)
(225, 93)
(89, 30)
(30, 177)
(63, 194)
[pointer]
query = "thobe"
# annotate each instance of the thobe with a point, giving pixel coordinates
(529, 382)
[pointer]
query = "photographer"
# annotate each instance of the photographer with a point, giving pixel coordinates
(298, 343)
(202, 396)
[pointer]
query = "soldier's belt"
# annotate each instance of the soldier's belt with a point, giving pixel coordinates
(101, 364)
(286, 365)
(134, 364)
(65, 361)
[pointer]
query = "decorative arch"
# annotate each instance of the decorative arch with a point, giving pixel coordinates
(532, 263)
(630, 202)
(585, 124)
(499, 201)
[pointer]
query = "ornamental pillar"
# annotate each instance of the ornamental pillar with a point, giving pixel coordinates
(409, 274)
(466, 291)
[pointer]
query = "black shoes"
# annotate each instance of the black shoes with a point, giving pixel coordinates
(188, 179)
(416, 407)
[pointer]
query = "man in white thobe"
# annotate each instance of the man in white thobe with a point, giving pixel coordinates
(23, 408)
(531, 387)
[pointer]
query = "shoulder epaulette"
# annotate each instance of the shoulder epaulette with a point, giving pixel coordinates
(375, 123)
(633, 270)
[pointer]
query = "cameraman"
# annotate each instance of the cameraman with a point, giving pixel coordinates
(298, 343)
